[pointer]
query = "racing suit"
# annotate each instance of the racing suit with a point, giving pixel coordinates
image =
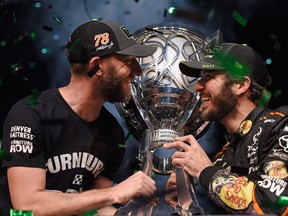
(250, 172)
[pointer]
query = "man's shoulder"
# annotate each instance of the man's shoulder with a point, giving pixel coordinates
(272, 117)
(33, 98)
(281, 111)
(33, 104)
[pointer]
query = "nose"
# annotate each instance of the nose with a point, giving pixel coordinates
(199, 86)
(135, 67)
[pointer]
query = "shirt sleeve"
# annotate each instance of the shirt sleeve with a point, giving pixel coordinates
(257, 193)
(22, 135)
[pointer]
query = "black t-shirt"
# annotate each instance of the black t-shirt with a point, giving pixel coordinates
(50, 135)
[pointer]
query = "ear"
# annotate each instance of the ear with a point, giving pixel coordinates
(243, 85)
(94, 66)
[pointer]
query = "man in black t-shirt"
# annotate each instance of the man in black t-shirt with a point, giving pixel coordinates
(65, 146)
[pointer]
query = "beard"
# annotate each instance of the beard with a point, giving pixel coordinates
(224, 103)
(114, 89)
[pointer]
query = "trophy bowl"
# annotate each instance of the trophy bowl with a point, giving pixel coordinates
(175, 42)
(163, 99)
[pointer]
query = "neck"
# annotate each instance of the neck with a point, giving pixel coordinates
(82, 95)
(233, 120)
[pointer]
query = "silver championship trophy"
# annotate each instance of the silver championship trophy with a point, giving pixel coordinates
(164, 105)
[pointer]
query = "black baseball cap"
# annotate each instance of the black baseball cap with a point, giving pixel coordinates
(238, 59)
(98, 38)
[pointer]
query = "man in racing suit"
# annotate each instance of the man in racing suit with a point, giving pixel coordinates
(249, 175)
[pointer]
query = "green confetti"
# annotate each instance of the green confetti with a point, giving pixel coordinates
(172, 10)
(20, 212)
(71, 46)
(90, 213)
(231, 64)
(265, 98)
(130, 137)
(4, 155)
(271, 205)
(277, 93)
(57, 19)
(121, 145)
(33, 35)
(211, 13)
(273, 37)
(3, 43)
(15, 67)
(18, 40)
(283, 200)
(33, 98)
(239, 18)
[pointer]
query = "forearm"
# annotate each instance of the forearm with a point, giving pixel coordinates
(60, 204)
(30, 194)
(238, 194)
(228, 190)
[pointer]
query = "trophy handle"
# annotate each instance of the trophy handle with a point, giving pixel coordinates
(191, 110)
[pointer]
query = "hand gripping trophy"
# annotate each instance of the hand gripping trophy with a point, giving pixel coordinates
(164, 105)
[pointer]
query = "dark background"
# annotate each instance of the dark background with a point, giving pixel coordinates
(27, 27)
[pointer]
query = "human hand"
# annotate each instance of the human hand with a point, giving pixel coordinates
(137, 185)
(170, 189)
(190, 156)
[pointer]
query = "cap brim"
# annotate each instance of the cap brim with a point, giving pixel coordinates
(138, 50)
(193, 68)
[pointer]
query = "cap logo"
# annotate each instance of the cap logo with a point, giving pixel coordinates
(238, 65)
(213, 51)
(208, 66)
(126, 31)
(102, 41)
